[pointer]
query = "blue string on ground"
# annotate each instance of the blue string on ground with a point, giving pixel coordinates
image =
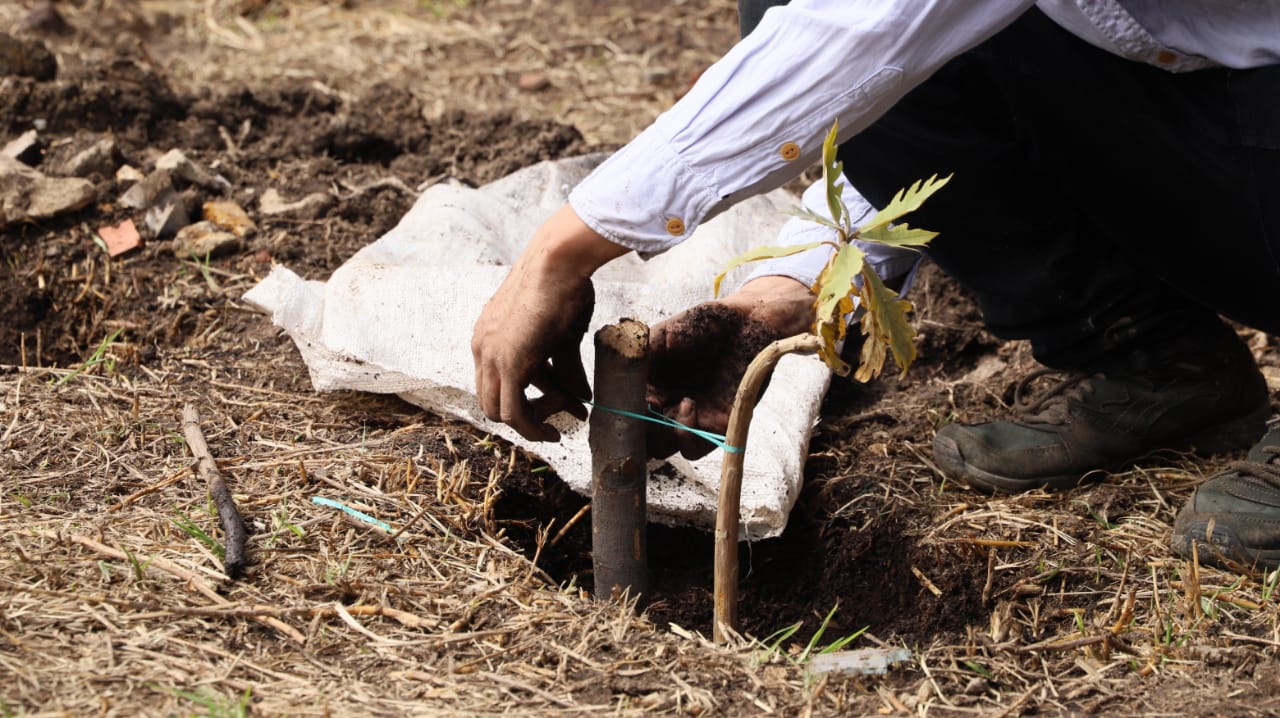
(352, 512)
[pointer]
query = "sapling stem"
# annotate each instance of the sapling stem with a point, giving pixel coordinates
(727, 513)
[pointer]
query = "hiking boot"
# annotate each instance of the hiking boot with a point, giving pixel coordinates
(1209, 400)
(1233, 519)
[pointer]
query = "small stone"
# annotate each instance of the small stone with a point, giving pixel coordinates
(121, 238)
(98, 158)
(312, 206)
(27, 194)
(45, 19)
(179, 165)
(1272, 375)
(166, 219)
(25, 148)
(129, 173)
(204, 239)
(229, 216)
(26, 58)
(532, 82)
(154, 189)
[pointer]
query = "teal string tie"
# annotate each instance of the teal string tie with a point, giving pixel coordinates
(655, 417)
(352, 512)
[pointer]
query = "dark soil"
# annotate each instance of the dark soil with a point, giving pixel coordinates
(296, 140)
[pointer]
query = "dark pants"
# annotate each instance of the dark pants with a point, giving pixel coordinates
(1098, 205)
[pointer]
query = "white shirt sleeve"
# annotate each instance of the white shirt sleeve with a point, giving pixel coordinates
(757, 118)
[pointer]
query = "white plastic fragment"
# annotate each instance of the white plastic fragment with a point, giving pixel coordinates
(861, 661)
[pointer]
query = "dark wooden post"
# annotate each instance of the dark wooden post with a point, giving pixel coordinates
(619, 471)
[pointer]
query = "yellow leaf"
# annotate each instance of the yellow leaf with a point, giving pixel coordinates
(885, 324)
(754, 255)
(907, 200)
(836, 282)
(829, 350)
(871, 360)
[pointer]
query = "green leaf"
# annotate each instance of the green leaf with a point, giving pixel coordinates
(808, 214)
(832, 173)
(835, 291)
(836, 282)
(907, 200)
(754, 255)
(980, 670)
(898, 235)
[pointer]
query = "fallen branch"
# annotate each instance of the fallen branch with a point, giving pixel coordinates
(233, 559)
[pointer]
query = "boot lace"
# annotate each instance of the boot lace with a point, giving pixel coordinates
(1266, 473)
(1051, 406)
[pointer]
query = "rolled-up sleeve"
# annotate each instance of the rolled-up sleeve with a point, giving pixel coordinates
(757, 118)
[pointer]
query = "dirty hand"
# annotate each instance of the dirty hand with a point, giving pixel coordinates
(530, 330)
(698, 357)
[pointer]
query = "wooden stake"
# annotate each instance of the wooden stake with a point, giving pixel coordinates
(725, 614)
(619, 471)
(233, 559)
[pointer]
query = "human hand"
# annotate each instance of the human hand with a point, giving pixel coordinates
(530, 330)
(698, 357)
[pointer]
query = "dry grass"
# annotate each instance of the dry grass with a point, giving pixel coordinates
(110, 607)
(605, 68)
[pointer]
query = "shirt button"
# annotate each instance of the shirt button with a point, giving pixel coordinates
(1164, 57)
(789, 151)
(675, 226)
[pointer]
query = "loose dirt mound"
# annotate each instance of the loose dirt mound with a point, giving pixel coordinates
(293, 139)
(111, 597)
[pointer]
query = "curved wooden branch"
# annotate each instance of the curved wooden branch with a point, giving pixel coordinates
(727, 519)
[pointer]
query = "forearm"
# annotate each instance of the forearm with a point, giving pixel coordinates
(565, 246)
(782, 303)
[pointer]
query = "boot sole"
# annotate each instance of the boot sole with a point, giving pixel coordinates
(1239, 433)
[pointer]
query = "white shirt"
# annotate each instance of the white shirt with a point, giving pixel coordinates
(757, 118)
